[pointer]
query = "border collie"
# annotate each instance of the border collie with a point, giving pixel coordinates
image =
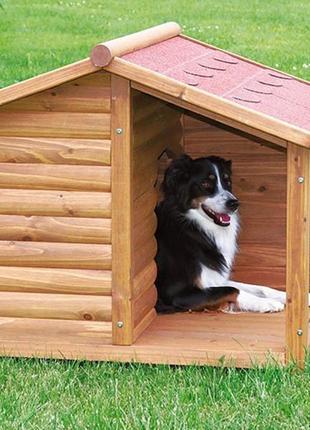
(197, 241)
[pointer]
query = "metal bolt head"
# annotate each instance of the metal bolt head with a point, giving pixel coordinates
(301, 179)
(120, 324)
(299, 332)
(119, 131)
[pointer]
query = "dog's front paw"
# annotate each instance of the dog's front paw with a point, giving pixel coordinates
(269, 305)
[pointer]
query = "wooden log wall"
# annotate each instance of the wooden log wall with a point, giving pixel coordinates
(156, 127)
(259, 180)
(55, 204)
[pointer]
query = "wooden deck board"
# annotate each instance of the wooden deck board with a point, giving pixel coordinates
(197, 338)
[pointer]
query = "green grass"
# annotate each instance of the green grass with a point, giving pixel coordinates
(37, 36)
(90, 396)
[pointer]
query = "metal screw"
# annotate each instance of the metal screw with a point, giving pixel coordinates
(119, 131)
(299, 332)
(301, 179)
(120, 324)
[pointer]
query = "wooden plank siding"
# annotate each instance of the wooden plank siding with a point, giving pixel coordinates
(55, 281)
(156, 127)
(55, 177)
(55, 229)
(259, 180)
(87, 152)
(55, 203)
(55, 306)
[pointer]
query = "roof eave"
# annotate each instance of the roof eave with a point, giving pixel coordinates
(47, 80)
(180, 94)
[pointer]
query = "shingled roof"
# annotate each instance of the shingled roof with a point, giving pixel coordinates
(193, 74)
(225, 75)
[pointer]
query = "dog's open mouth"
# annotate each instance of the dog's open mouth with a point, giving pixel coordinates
(219, 218)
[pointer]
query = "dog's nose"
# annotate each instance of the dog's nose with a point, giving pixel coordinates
(232, 204)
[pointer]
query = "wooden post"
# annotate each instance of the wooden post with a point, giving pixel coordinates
(298, 252)
(122, 323)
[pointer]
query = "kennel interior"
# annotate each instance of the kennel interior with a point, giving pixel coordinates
(82, 155)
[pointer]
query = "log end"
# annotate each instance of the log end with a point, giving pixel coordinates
(101, 55)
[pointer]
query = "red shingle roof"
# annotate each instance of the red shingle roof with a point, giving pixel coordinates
(251, 85)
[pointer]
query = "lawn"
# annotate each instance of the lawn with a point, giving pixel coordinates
(37, 36)
(58, 395)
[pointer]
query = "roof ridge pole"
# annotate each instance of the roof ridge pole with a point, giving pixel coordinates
(103, 53)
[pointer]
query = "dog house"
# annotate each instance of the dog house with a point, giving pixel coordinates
(82, 150)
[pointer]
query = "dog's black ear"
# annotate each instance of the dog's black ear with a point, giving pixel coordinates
(228, 164)
(177, 173)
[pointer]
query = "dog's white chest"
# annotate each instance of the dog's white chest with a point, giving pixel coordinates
(225, 239)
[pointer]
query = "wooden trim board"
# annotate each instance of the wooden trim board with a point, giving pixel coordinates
(47, 80)
(234, 339)
(298, 252)
(122, 207)
(225, 109)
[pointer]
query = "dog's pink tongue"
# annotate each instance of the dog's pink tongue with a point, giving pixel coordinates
(223, 218)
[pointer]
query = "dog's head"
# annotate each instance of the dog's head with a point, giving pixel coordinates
(203, 184)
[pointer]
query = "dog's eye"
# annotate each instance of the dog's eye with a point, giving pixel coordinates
(212, 177)
(226, 176)
(206, 184)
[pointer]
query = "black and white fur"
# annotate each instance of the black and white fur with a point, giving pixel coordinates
(197, 232)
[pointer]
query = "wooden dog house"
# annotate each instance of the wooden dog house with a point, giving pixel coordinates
(80, 152)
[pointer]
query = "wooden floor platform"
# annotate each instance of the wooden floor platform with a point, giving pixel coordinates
(196, 338)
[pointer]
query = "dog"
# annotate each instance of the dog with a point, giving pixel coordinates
(197, 231)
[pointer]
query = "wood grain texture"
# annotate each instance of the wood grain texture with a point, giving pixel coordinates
(144, 255)
(55, 124)
(55, 177)
(55, 281)
(48, 80)
(251, 230)
(144, 323)
(80, 95)
(144, 179)
(55, 151)
(55, 203)
(253, 255)
(122, 206)
(152, 149)
(60, 334)
(143, 304)
(143, 206)
(143, 280)
(150, 128)
(152, 134)
(270, 276)
(298, 252)
(59, 255)
(240, 340)
(55, 229)
(55, 306)
(145, 231)
(192, 122)
(259, 181)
